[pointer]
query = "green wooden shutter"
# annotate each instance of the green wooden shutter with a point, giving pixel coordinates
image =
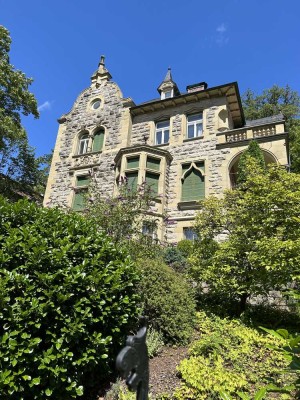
(98, 140)
(152, 182)
(83, 180)
(133, 162)
(79, 200)
(132, 178)
(153, 163)
(193, 186)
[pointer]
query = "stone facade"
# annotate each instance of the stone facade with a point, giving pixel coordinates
(158, 141)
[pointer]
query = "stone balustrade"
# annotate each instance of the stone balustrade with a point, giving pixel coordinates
(246, 133)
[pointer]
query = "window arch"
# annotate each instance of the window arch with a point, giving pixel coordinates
(83, 145)
(233, 165)
(193, 185)
(98, 139)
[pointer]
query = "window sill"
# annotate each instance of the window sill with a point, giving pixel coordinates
(162, 144)
(89, 153)
(194, 138)
(189, 205)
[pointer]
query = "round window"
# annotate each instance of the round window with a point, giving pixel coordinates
(96, 104)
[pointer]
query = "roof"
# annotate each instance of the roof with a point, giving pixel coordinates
(267, 120)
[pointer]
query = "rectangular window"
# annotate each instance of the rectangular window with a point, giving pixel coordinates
(189, 234)
(132, 178)
(149, 229)
(194, 126)
(193, 185)
(79, 200)
(98, 140)
(153, 163)
(152, 182)
(83, 180)
(162, 132)
(133, 162)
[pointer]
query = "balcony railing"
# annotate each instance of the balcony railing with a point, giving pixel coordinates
(242, 134)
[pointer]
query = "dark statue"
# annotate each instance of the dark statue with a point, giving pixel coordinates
(133, 365)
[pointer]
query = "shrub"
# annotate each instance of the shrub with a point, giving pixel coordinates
(167, 299)
(229, 357)
(186, 247)
(175, 259)
(66, 300)
(155, 342)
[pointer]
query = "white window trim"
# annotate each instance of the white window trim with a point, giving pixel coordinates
(163, 130)
(194, 124)
(163, 94)
(85, 148)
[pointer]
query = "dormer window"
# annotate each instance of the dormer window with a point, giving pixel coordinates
(167, 95)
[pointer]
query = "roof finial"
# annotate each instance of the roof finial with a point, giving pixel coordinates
(102, 60)
(102, 73)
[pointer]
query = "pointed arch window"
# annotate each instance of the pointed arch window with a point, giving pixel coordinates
(83, 143)
(193, 185)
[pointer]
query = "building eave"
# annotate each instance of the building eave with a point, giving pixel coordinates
(229, 90)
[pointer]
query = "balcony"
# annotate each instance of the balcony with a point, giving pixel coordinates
(261, 133)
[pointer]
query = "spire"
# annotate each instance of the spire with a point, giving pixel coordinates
(168, 87)
(168, 77)
(102, 74)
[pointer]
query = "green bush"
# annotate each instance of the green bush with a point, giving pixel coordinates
(186, 247)
(230, 357)
(174, 258)
(155, 342)
(67, 299)
(167, 299)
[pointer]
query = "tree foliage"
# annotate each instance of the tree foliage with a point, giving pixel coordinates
(253, 152)
(67, 298)
(260, 246)
(274, 101)
(15, 98)
(123, 217)
(17, 158)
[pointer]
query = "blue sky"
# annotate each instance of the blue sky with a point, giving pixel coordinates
(59, 43)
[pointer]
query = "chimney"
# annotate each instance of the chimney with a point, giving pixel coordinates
(197, 87)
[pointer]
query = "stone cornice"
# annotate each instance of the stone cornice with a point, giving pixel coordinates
(145, 148)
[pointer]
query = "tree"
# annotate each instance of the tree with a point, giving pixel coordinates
(274, 101)
(253, 152)
(126, 218)
(260, 250)
(17, 160)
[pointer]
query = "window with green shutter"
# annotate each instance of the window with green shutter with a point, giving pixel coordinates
(98, 140)
(133, 162)
(152, 182)
(83, 180)
(79, 200)
(193, 186)
(153, 163)
(132, 178)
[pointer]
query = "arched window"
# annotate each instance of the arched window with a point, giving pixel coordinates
(83, 144)
(193, 186)
(98, 140)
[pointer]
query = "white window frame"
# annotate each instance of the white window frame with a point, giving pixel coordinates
(83, 144)
(193, 234)
(149, 230)
(163, 130)
(194, 124)
(163, 94)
